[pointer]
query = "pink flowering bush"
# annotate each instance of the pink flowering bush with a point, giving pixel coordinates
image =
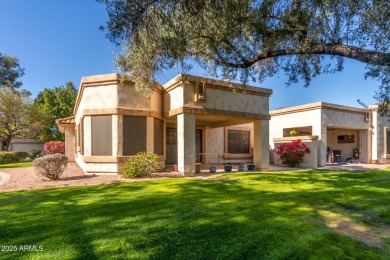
(53, 147)
(292, 154)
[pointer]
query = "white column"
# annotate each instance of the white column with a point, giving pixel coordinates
(321, 129)
(261, 144)
(374, 142)
(186, 144)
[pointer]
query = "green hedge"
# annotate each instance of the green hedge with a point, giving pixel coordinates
(12, 157)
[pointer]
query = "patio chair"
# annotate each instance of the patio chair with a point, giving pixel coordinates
(337, 156)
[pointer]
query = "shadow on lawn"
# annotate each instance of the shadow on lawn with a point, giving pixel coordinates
(266, 215)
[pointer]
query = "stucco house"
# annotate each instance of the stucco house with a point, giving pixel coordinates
(353, 133)
(185, 120)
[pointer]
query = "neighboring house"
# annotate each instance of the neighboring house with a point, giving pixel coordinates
(24, 145)
(341, 128)
(186, 120)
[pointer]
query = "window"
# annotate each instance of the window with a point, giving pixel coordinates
(300, 131)
(101, 131)
(238, 141)
(387, 133)
(134, 134)
(346, 139)
(158, 136)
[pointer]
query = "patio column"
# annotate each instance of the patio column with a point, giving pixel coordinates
(374, 141)
(261, 144)
(150, 134)
(186, 144)
(70, 138)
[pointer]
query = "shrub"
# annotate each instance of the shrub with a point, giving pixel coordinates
(53, 147)
(141, 163)
(292, 154)
(52, 165)
(21, 156)
(34, 154)
(293, 132)
(12, 157)
(8, 157)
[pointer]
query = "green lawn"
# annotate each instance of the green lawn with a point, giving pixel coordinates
(16, 165)
(310, 214)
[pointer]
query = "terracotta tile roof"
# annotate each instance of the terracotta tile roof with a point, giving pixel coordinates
(66, 120)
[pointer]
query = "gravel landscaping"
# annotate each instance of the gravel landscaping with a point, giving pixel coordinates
(28, 179)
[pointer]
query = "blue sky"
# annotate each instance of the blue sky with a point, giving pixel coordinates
(58, 41)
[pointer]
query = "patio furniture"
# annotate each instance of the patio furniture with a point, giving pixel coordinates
(337, 156)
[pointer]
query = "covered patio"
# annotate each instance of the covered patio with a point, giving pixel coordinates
(210, 117)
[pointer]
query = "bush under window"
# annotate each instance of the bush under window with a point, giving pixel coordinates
(140, 164)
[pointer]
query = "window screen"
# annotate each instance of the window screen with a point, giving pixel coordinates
(158, 136)
(134, 134)
(238, 141)
(101, 131)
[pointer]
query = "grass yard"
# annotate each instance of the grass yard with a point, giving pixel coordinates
(16, 165)
(313, 214)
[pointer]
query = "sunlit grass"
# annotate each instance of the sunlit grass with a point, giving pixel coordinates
(16, 165)
(283, 215)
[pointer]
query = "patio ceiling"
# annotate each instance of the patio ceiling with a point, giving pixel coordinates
(214, 121)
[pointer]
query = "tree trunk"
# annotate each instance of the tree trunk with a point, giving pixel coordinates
(8, 142)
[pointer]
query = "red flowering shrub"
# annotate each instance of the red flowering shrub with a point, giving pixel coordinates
(292, 154)
(53, 147)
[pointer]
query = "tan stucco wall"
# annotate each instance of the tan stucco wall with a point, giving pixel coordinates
(344, 119)
(220, 96)
(129, 98)
(215, 139)
(70, 142)
(233, 101)
(97, 97)
(174, 99)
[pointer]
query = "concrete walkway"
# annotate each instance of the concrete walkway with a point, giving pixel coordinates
(355, 166)
(4, 177)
